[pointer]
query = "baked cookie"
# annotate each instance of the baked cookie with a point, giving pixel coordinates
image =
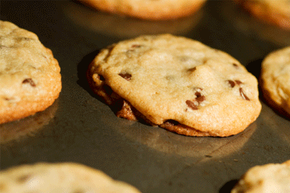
(176, 83)
(265, 178)
(275, 80)
(30, 79)
(151, 10)
(276, 12)
(59, 178)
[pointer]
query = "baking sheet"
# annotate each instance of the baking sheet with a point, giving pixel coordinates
(79, 127)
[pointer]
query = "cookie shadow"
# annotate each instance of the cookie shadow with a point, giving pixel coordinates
(227, 187)
(82, 71)
(254, 67)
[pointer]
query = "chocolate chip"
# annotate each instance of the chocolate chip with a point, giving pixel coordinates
(101, 77)
(192, 69)
(232, 83)
(235, 65)
(172, 122)
(199, 98)
(26, 38)
(29, 81)
(126, 76)
(136, 46)
(243, 95)
(238, 82)
(191, 104)
(23, 178)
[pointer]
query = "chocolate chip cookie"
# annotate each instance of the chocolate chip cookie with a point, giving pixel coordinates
(176, 83)
(60, 178)
(30, 79)
(151, 10)
(265, 178)
(275, 80)
(276, 12)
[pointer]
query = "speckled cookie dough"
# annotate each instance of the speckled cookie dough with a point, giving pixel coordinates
(178, 84)
(30, 79)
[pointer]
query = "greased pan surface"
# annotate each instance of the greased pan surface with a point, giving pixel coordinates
(79, 127)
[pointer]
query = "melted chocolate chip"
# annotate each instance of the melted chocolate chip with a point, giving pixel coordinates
(232, 83)
(191, 104)
(235, 65)
(23, 178)
(126, 76)
(243, 95)
(199, 98)
(136, 46)
(238, 82)
(101, 77)
(172, 122)
(29, 81)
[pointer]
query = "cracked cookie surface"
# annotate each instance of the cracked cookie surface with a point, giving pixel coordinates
(176, 83)
(30, 79)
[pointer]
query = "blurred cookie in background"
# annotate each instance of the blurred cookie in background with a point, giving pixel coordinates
(126, 27)
(149, 9)
(276, 12)
(265, 178)
(253, 27)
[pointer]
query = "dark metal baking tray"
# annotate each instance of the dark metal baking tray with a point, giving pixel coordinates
(79, 127)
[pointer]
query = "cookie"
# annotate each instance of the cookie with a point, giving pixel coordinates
(265, 178)
(275, 80)
(113, 25)
(30, 79)
(59, 178)
(176, 83)
(150, 10)
(276, 12)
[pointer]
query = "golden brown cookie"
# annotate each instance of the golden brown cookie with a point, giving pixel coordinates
(275, 80)
(30, 79)
(60, 178)
(149, 9)
(276, 12)
(176, 83)
(269, 178)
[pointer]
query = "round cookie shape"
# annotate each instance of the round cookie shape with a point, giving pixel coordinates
(276, 12)
(177, 83)
(59, 178)
(30, 79)
(149, 9)
(275, 80)
(265, 178)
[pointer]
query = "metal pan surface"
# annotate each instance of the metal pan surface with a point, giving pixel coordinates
(79, 127)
